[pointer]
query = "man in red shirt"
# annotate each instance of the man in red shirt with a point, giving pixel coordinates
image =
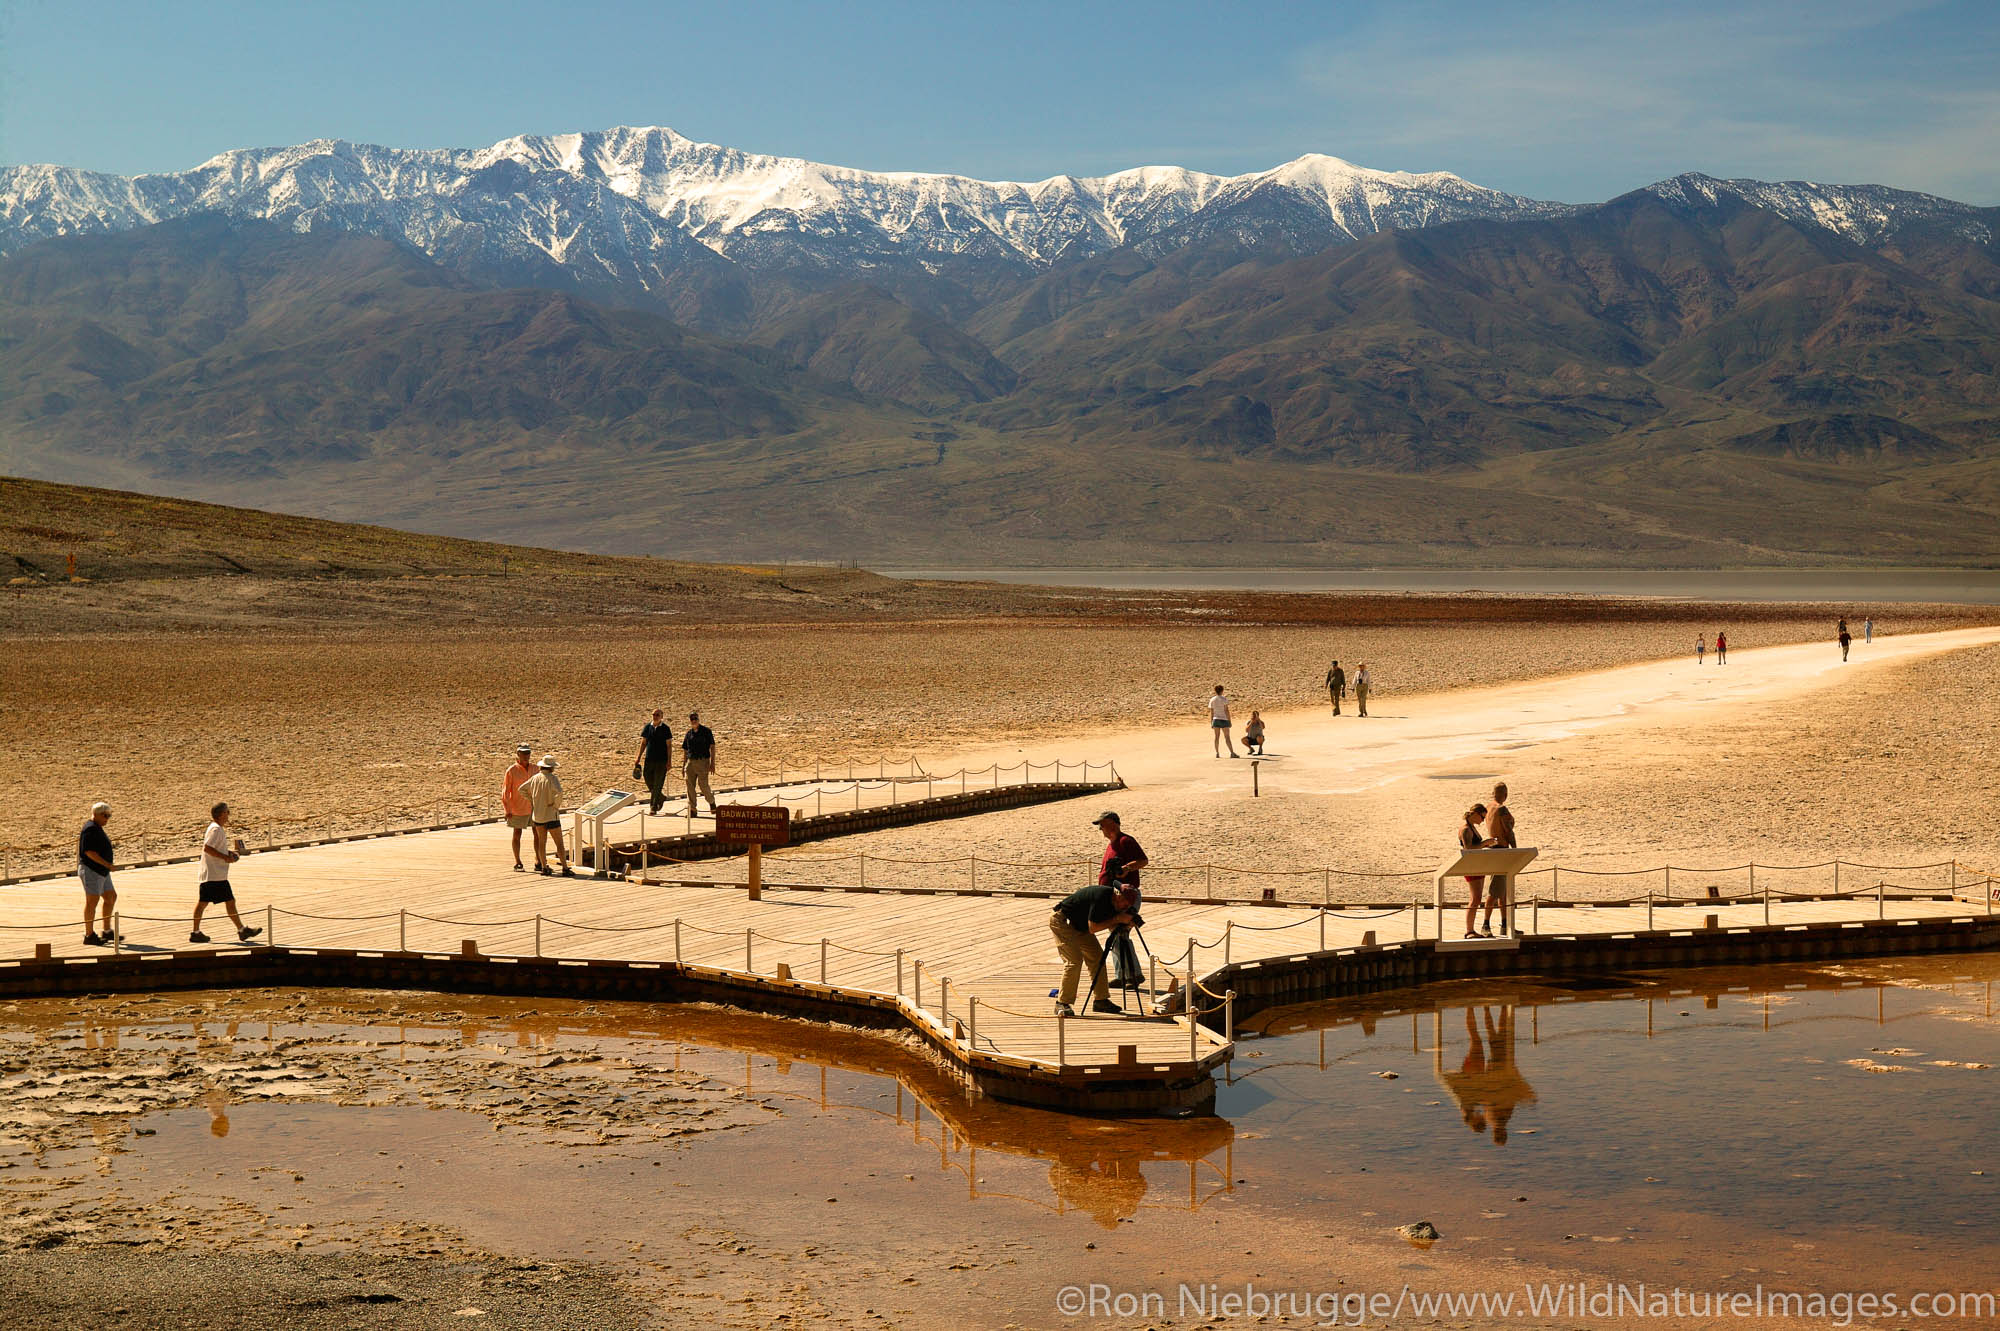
(1123, 858)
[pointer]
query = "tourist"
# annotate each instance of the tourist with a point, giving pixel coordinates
(1721, 647)
(1076, 921)
(1700, 648)
(1868, 630)
(1363, 681)
(217, 854)
(513, 803)
(544, 794)
(1218, 723)
(1845, 639)
(1470, 837)
(1123, 858)
(1499, 832)
(698, 760)
(655, 762)
(1253, 734)
(1336, 685)
(93, 868)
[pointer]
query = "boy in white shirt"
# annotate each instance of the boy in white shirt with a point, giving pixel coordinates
(217, 854)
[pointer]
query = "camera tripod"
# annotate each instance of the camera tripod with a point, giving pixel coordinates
(1134, 978)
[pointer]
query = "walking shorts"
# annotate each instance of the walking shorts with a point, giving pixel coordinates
(215, 893)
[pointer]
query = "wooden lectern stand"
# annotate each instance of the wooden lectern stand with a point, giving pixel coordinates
(1494, 861)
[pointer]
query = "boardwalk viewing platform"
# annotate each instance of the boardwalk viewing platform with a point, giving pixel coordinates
(967, 969)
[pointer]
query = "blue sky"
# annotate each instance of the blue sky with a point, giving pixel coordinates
(1576, 101)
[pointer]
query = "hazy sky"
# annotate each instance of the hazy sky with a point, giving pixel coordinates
(1575, 101)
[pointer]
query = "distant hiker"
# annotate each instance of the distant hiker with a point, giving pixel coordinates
(1218, 723)
(1472, 837)
(1123, 858)
(513, 803)
(1700, 648)
(1845, 639)
(656, 758)
(1721, 647)
(698, 760)
(1253, 734)
(1363, 681)
(545, 800)
(1868, 630)
(217, 854)
(1499, 832)
(93, 867)
(1336, 685)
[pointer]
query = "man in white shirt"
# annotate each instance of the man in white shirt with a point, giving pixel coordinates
(545, 801)
(217, 854)
(1218, 723)
(1363, 681)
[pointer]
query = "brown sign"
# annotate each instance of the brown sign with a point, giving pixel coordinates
(753, 825)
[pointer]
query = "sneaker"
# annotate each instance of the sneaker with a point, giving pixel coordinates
(197, 937)
(1106, 1005)
(1065, 1010)
(568, 872)
(544, 869)
(92, 940)
(245, 935)
(520, 868)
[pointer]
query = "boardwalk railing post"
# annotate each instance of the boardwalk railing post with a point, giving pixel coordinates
(1194, 1037)
(746, 952)
(1535, 915)
(1767, 903)
(1416, 923)
(118, 933)
(899, 972)
(538, 935)
(1555, 882)
(822, 961)
(402, 931)
(1668, 870)
(677, 940)
(972, 1024)
(1322, 929)
(917, 983)
(1228, 932)
(1836, 877)
(944, 1002)
(1062, 1042)
(1881, 902)
(1229, 1016)
(269, 936)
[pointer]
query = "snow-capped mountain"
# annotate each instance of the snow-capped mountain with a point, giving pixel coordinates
(1865, 214)
(630, 207)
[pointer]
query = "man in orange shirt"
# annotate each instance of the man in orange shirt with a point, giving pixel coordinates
(513, 803)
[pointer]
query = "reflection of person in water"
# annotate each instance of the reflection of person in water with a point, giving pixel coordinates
(1109, 1186)
(1487, 1085)
(218, 1107)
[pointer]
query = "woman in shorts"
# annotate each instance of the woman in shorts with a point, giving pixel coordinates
(1470, 837)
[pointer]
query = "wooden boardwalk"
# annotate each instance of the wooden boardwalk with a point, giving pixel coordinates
(971, 972)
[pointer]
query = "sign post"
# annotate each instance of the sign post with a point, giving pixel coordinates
(755, 826)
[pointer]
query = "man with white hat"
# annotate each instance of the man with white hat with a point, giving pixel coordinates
(93, 866)
(513, 803)
(545, 800)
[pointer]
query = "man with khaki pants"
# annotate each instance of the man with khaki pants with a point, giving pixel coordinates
(697, 761)
(1077, 920)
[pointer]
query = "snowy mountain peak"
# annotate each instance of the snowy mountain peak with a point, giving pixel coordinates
(1865, 214)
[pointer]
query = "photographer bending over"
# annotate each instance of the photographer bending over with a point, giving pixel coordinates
(1083, 914)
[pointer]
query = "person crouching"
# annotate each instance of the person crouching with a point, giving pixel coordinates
(1077, 920)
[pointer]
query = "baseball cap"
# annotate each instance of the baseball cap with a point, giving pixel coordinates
(524, 748)
(1107, 814)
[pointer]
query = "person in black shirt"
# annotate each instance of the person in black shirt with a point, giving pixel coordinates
(656, 758)
(1079, 917)
(698, 760)
(93, 867)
